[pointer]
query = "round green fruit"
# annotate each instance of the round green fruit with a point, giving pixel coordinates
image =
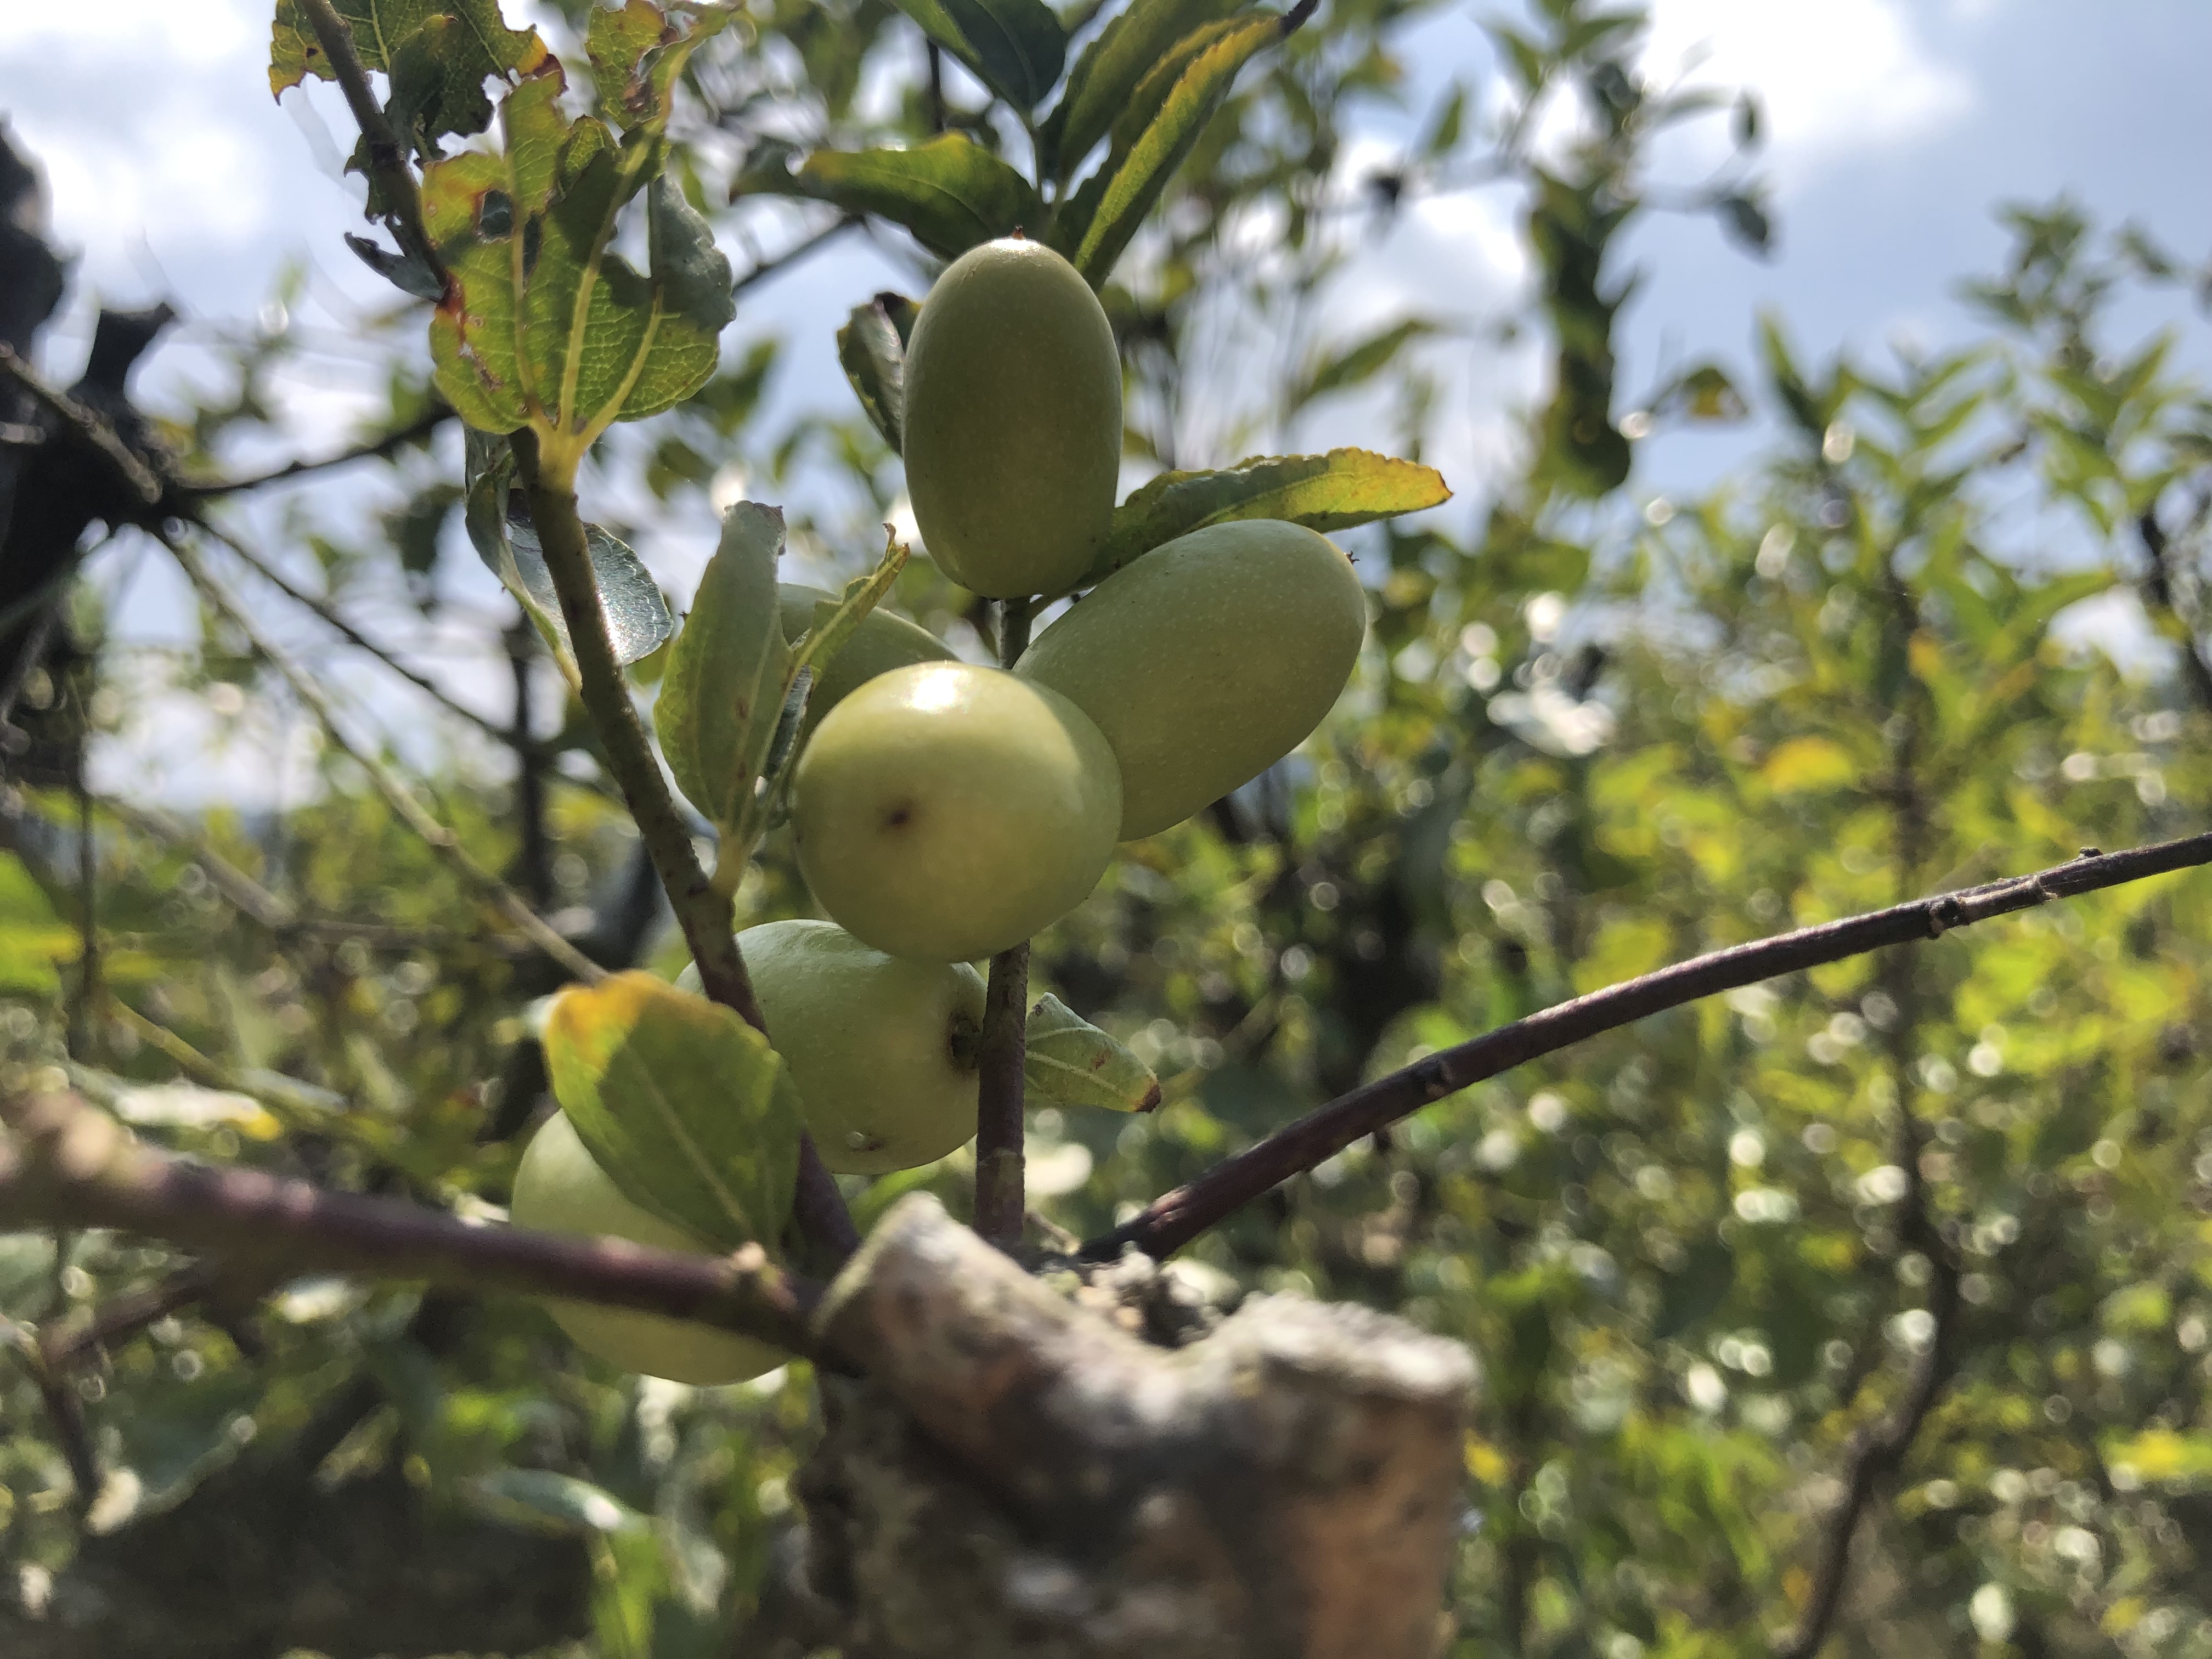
(946, 811)
(881, 642)
(1013, 421)
(559, 1189)
(1206, 660)
(883, 1049)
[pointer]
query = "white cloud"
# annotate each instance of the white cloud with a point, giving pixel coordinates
(1835, 77)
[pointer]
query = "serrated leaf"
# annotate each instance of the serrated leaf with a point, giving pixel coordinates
(1169, 109)
(500, 531)
(724, 691)
(685, 1106)
(950, 193)
(1335, 491)
(871, 350)
(1016, 48)
(1109, 70)
(1070, 1062)
(541, 324)
(437, 81)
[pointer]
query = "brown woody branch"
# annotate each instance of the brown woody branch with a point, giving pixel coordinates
(1175, 1218)
(141, 479)
(374, 449)
(387, 154)
(707, 916)
(64, 1163)
(1000, 1199)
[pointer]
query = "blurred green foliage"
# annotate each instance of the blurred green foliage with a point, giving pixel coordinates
(1594, 731)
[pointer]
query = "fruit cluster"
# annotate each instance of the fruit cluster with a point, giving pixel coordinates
(946, 811)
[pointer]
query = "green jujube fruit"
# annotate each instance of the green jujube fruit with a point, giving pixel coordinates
(1013, 421)
(1206, 660)
(881, 641)
(946, 811)
(883, 1049)
(558, 1189)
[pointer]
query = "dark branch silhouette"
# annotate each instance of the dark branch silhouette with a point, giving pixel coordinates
(1174, 1219)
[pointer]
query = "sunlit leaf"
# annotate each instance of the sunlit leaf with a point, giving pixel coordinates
(1168, 111)
(1068, 1061)
(723, 693)
(1100, 85)
(684, 1105)
(33, 938)
(438, 53)
(1335, 491)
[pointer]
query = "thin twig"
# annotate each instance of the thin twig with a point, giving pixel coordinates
(792, 255)
(374, 449)
(1176, 1218)
(402, 801)
(331, 614)
(65, 1164)
(143, 482)
(2157, 584)
(127, 1315)
(387, 155)
(708, 917)
(1000, 1199)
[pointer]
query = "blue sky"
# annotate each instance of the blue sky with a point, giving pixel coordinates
(1895, 125)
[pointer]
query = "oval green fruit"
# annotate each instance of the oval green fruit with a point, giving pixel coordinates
(1206, 660)
(1013, 421)
(559, 1189)
(883, 1049)
(882, 643)
(944, 811)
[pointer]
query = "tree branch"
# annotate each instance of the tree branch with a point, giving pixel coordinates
(2157, 584)
(1001, 1204)
(387, 155)
(792, 255)
(331, 614)
(1176, 1218)
(707, 917)
(409, 811)
(374, 449)
(143, 482)
(66, 1164)
(127, 1315)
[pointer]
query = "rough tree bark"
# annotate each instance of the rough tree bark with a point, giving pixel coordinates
(1020, 1476)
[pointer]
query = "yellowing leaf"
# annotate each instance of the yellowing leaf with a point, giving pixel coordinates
(1804, 763)
(686, 1107)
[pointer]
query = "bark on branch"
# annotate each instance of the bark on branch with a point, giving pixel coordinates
(1173, 1220)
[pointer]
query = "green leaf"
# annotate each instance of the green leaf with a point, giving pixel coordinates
(437, 81)
(724, 691)
(1108, 72)
(694, 273)
(684, 1105)
(1016, 48)
(1335, 491)
(871, 349)
(1070, 1062)
(500, 529)
(541, 324)
(1166, 114)
(950, 193)
(33, 938)
(548, 1498)
(1362, 361)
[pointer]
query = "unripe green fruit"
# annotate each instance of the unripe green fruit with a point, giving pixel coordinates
(946, 811)
(1206, 660)
(559, 1189)
(883, 1049)
(881, 642)
(1013, 421)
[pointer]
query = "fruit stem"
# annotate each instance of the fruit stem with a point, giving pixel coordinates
(1001, 1202)
(705, 914)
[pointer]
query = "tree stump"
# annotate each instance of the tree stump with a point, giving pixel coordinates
(1019, 1476)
